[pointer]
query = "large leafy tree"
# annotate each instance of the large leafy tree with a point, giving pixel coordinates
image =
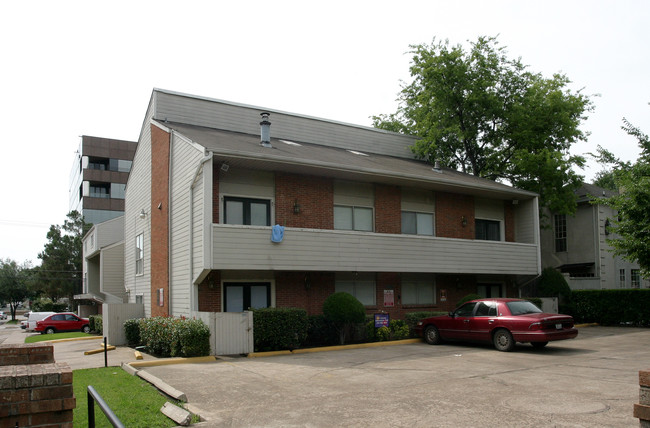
(60, 273)
(631, 229)
(483, 113)
(13, 283)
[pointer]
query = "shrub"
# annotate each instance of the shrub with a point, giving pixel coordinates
(132, 332)
(343, 310)
(95, 323)
(279, 328)
(190, 338)
(383, 334)
(535, 301)
(156, 334)
(552, 284)
(399, 330)
(45, 304)
(321, 332)
(612, 307)
(467, 299)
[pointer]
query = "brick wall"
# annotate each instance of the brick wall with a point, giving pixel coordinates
(159, 220)
(450, 210)
(388, 209)
(315, 195)
(210, 293)
(642, 410)
(36, 391)
(509, 213)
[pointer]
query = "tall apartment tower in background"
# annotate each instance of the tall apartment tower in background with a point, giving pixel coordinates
(98, 177)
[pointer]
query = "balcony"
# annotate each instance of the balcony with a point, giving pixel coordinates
(250, 248)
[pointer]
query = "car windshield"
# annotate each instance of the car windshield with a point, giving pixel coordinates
(522, 308)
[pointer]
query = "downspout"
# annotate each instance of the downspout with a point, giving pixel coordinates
(169, 221)
(199, 167)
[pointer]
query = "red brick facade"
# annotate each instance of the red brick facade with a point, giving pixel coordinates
(509, 222)
(312, 197)
(159, 220)
(388, 209)
(454, 216)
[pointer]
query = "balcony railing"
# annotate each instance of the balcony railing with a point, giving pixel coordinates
(250, 248)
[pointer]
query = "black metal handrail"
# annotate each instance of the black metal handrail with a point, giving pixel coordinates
(110, 415)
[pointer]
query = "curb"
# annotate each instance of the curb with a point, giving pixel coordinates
(334, 348)
(170, 361)
(593, 324)
(73, 339)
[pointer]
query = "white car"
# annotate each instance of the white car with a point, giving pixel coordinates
(3, 316)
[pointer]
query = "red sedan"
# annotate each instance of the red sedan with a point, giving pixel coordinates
(499, 321)
(65, 321)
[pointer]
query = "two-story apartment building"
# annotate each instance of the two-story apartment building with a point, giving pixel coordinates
(230, 206)
(577, 246)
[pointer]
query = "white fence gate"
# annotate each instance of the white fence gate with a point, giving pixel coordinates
(113, 317)
(231, 333)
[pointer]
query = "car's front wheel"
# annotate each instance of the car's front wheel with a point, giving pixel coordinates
(503, 340)
(50, 330)
(431, 335)
(85, 329)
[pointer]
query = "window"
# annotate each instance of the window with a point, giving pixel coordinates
(635, 278)
(117, 190)
(559, 227)
(139, 298)
(418, 292)
(240, 296)
(486, 309)
(139, 254)
(417, 223)
(363, 290)
(353, 218)
(621, 277)
(120, 165)
(466, 310)
(489, 230)
(247, 211)
(488, 290)
(100, 190)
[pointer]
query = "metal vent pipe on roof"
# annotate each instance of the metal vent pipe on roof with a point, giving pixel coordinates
(265, 126)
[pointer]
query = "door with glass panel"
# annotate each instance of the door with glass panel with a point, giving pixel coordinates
(241, 296)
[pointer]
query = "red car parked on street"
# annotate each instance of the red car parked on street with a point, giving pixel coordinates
(499, 321)
(65, 321)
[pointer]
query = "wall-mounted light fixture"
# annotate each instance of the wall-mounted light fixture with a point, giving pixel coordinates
(143, 214)
(463, 221)
(160, 206)
(296, 207)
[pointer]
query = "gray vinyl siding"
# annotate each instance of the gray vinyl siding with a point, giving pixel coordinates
(113, 270)
(186, 159)
(237, 247)
(526, 226)
(138, 197)
(219, 114)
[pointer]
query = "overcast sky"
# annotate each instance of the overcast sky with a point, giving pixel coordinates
(72, 68)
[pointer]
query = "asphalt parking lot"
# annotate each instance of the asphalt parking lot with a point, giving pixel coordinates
(591, 381)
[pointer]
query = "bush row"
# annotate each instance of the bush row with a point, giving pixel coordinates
(611, 307)
(169, 337)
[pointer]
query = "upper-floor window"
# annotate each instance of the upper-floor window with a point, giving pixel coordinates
(119, 165)
(139, 254)
(414, 223)
(635, 278)
(100, 190)
(489, 230)
(247, 211)
(353, 218)
(559, 229)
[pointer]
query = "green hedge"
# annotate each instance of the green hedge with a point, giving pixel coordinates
(611, 307)
(173, 337)
(412, 319)
(132, 332)
(321, 332)
(95, 323)
(279, 328)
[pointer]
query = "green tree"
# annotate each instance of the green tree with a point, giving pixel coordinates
(343, 310)
(630, 231)
(13, 283)
(483, 113)
(60, 273)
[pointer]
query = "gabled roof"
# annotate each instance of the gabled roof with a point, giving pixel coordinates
(301, 157)
(587, 192)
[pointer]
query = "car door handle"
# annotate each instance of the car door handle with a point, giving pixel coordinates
(491, 322)
(466, 321)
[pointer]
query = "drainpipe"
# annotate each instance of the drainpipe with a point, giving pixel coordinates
(199, 167)
(169, 221)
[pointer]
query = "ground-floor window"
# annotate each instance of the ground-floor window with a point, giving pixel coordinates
(489, 290)
(422, 292)
(363, 290)
(240, 296)
(636, 278)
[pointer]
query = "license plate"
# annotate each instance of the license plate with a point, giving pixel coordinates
(558, 326)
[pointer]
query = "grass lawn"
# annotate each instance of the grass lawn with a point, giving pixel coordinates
(135, 402)
(55, 336)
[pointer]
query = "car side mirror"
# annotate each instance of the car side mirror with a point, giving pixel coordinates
(451, 314)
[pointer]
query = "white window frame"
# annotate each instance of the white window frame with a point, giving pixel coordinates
(433, 229)
(139, 254)
(635, 278)
(353, 207)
